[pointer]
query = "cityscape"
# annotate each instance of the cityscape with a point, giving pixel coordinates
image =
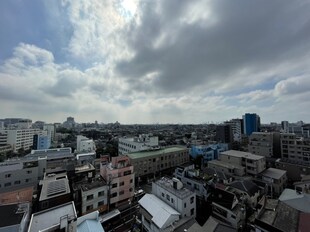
(239, 175)
(154, 116)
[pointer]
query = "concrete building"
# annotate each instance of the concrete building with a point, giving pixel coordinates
(59, 218)
(208, 152)
(190, 178)
(120, 177)
(155, 161)
(295, 149)
(295, 170)
(20, 139)
(89, 223)
(227, 168)
(251, 123)
(91, 195)
(275, 179)
(50, 131)
(20, 174)
(285, 127)
(224, 134)
(253, 164)
(55, 191)
(85, 144)
(236, 126)
(136, 144)
(172, 192)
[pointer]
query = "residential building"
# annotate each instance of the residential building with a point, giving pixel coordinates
(191, 179)
(50, 131)
(136, 144)
(89, 223)
(55, 190)
(297, 200)
(295, 170)
(236, 126)
(85, 144)
(208, 152)
(275, 179)
(285, 126)
(91, 195)
(19, 174)
(14, 217)
(227, 168)
(296, 149)
(154, 162)
(120, 177)
(172, 192)
(211, 225)
(20, 139)
(157, 215)
(224, 134)
(59, 218)
(251, 123)
(253, 164)
(303, 185)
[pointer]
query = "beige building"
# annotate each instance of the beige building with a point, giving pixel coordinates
(295, 149)
(154, 161)
(261, 143)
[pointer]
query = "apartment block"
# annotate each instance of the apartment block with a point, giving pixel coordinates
(20, 138)
(141, 143)
(85, 144)
(276, 180)
(119, 176)
(208, 152)
(155, 161)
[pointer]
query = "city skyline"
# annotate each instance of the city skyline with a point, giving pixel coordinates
(155, 62)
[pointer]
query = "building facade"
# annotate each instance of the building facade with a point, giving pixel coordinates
(41, 142)
(85, 144)
(136, 144)
(208, 152)
(251, 123)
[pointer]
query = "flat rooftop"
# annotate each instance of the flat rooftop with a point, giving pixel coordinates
(224, 164)
(51, 217)
(242, 154)
(273, 173)
(167, 184)
(13, 214)
(144, 154)
(54, 185)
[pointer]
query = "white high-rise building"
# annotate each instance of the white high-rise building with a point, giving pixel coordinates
(50, 130)
(236, 129)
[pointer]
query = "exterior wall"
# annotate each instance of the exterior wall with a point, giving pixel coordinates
(41, 142)
(17, 175)
(51, 132)
(208, 152)
(97, 198)
(226, 168)
(224, 134)
(236, 129)
(233, 218)
(17, 196)
(119, 175)
(261, 143)
(84, 144)
(294, 171)
(251, 123)
(159, 162)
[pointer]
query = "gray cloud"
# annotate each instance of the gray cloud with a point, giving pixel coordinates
(239, 35)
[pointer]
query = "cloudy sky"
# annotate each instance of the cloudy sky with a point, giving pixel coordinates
(155, 61)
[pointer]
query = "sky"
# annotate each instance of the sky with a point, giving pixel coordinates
(145, 61)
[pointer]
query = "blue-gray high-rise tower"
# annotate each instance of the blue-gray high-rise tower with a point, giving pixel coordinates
(251, 123)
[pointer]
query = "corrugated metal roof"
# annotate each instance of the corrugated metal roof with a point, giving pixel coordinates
(299, 201)
(162, 214)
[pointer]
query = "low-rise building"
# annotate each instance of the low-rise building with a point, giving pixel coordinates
(294, 170)
(135, 144)
(85, 144)
(208, 152)
(275, 179)
(227, 168)
(155, 161)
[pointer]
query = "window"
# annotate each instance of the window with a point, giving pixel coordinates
(29, 172)
(162, 194)
(89, 207)
(127, 173)
(7, 175)
(131, 180)
(17, 182)
(192, 200)
(168, 197)
(113, 195)
(130, 190)
(121, 183)
(27, 180)
(100, 203)
(7, 184)
(100, 194)
(192, 211)
(114, 185)
(172, 200)
(184, 205)
(90, 197)
(121, 192)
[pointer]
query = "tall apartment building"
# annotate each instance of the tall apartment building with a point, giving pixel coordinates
(153, 162)
(20, 138)
(224, 134)
(251, 123)
(295, 149)
(265, 144)
(141, 143)
(236, 126)
(51, 132)
(41, 142)
(120, 178)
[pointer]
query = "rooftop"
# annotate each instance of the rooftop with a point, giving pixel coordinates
(54, 185)
(51, 217)
(242, 154)
(167, 184)
(86, 186)
(273, 173)
(299, 201)
(225, 164)
(13, 214)
(144, 154)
